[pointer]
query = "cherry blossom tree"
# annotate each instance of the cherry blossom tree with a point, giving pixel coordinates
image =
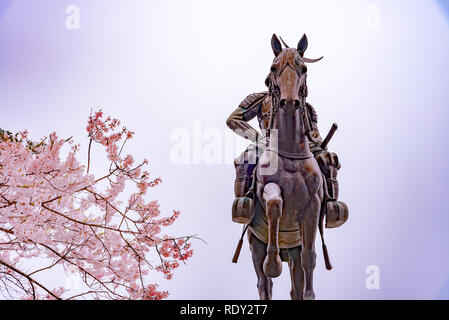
(56, 214)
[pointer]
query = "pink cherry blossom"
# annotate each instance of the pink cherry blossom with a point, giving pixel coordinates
(58, 211)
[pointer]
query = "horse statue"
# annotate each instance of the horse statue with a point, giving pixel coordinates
(284, 195)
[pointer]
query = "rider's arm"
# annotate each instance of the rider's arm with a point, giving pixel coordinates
(238, 121)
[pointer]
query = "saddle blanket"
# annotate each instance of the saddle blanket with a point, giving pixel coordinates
(289, 235)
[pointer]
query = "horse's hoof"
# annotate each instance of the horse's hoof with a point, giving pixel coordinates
(309, 295)
(272, 267)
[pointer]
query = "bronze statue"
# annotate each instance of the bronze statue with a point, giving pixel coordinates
(286, 184)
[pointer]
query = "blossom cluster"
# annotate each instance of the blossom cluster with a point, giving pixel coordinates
(56, 209)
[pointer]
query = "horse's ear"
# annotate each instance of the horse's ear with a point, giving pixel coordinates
(302, 45)
(276, 45)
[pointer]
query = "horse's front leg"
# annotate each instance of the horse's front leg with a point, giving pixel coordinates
(259, 252)
(309, 226)
(272, 265)
(296, 273)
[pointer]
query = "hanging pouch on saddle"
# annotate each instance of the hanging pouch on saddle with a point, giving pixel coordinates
(243, 209)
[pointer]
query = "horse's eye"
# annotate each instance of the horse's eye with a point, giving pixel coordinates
(303, 69)
(273, 69)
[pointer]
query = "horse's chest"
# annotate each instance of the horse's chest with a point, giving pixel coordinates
(292, 166)
(292, 179)
(289, 174)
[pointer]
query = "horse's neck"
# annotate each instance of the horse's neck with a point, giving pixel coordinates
(290, 130)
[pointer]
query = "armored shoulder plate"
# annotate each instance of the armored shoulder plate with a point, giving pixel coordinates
(253, 98)
(312, 113)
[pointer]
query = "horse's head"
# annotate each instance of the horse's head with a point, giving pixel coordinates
(287, 79)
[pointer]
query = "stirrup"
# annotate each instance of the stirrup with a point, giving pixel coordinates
(336, 214)
(243, 210)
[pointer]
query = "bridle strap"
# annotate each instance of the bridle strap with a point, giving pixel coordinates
(302, 111)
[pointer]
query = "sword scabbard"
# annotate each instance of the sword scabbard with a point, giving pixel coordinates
(329, 136)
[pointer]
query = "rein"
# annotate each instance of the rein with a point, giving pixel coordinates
(274, 95)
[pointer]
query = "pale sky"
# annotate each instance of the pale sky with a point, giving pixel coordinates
(165, 67)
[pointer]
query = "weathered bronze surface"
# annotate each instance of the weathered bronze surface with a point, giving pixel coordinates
(284, 207)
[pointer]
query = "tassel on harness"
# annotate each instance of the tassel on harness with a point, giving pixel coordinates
(239, 245)
(327, 261)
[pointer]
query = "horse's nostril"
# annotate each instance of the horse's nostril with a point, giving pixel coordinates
(297, 103)
(283, 102)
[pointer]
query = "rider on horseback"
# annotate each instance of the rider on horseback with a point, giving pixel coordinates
(286, 180)
(259, 104)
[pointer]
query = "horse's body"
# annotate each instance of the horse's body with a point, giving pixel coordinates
(289, 184)
(291, 178)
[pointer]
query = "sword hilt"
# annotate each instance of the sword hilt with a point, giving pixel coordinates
(329, 136)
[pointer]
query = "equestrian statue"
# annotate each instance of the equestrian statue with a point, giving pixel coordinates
(286, 184)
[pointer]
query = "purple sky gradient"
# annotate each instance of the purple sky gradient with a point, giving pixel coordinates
(161, 65)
